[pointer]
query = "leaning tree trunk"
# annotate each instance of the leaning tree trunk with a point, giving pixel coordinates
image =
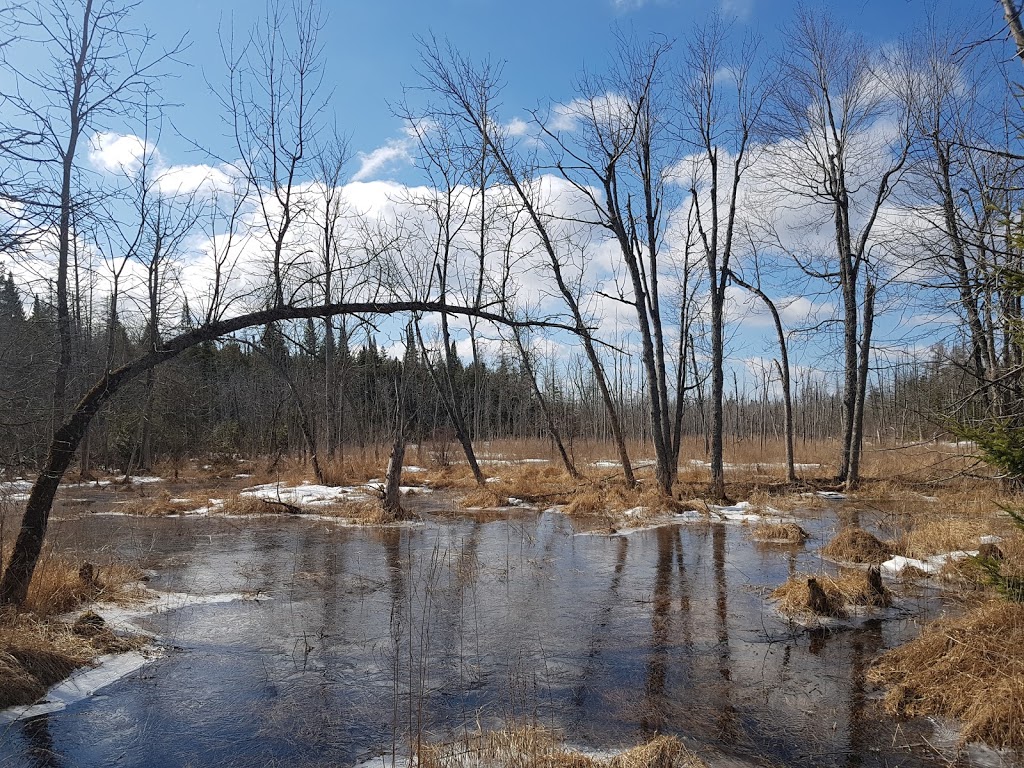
(784, 372)
(546, 410)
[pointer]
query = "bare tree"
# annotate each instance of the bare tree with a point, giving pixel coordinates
(842, 143)
(100, 69)
(273, 101)
(458, 82)
(720, 117)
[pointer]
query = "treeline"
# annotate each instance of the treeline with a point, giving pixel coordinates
(286, 391)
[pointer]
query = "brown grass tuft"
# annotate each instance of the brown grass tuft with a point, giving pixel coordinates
(61, 583)
(855, 545)
(837, 594)
(533, 747)
(948, 534)
(779, 533)
(37, 649)
(157, 506)
(484, 497)
(354, 470)
(34, 655)
(969, 668)
(248, 505)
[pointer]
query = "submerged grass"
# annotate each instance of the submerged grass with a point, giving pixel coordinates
(534, 747)
(969, 668)
(779, 533)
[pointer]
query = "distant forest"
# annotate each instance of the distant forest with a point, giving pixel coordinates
(288, 389)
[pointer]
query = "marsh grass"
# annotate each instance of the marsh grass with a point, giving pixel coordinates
(161, 505)
(932, 537)
(855, 545)
(534, 747)
(969, 668)
(61, 584)
(838, 594)
(37, 647)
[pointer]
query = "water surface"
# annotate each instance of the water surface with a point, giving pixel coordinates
(375, 639)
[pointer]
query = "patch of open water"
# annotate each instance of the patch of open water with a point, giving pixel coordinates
(377, 638)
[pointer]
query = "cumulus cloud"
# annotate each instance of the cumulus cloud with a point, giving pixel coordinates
(188, 179)
(118, 152)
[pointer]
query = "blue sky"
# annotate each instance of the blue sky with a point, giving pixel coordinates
(371, 52)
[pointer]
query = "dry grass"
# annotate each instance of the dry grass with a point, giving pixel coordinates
(239, 504)
(533, 747)
(779, 533)
(37, 649)
(855, 545)
(34, 655)
(611, 499)
(160, 505)
(352, 470)
(970, 668)
(61, 583)
(932, 537)
(837, 594)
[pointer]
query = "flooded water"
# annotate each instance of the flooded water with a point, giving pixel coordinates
(371, 640)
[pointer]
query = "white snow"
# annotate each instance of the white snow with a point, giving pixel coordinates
(15, 490)
(932, 564)
(745, 512)
(83, 683)
(990, 539)
(377, 486)
(307, 494)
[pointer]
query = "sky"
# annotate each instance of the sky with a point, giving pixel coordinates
(371, 50)
(370, 55)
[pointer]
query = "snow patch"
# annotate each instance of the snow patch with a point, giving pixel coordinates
(83, 683)
(932, 564)
(745, 512)
(307, 494)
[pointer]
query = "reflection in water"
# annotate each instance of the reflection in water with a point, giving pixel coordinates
(377, 639)
(40, 753)
(599, 633)
(653, 719)
(726, 722)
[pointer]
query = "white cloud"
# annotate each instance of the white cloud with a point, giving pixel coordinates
(186, 179)
(395, 152)
(611, 111)
(117, 152)
(517, 127)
